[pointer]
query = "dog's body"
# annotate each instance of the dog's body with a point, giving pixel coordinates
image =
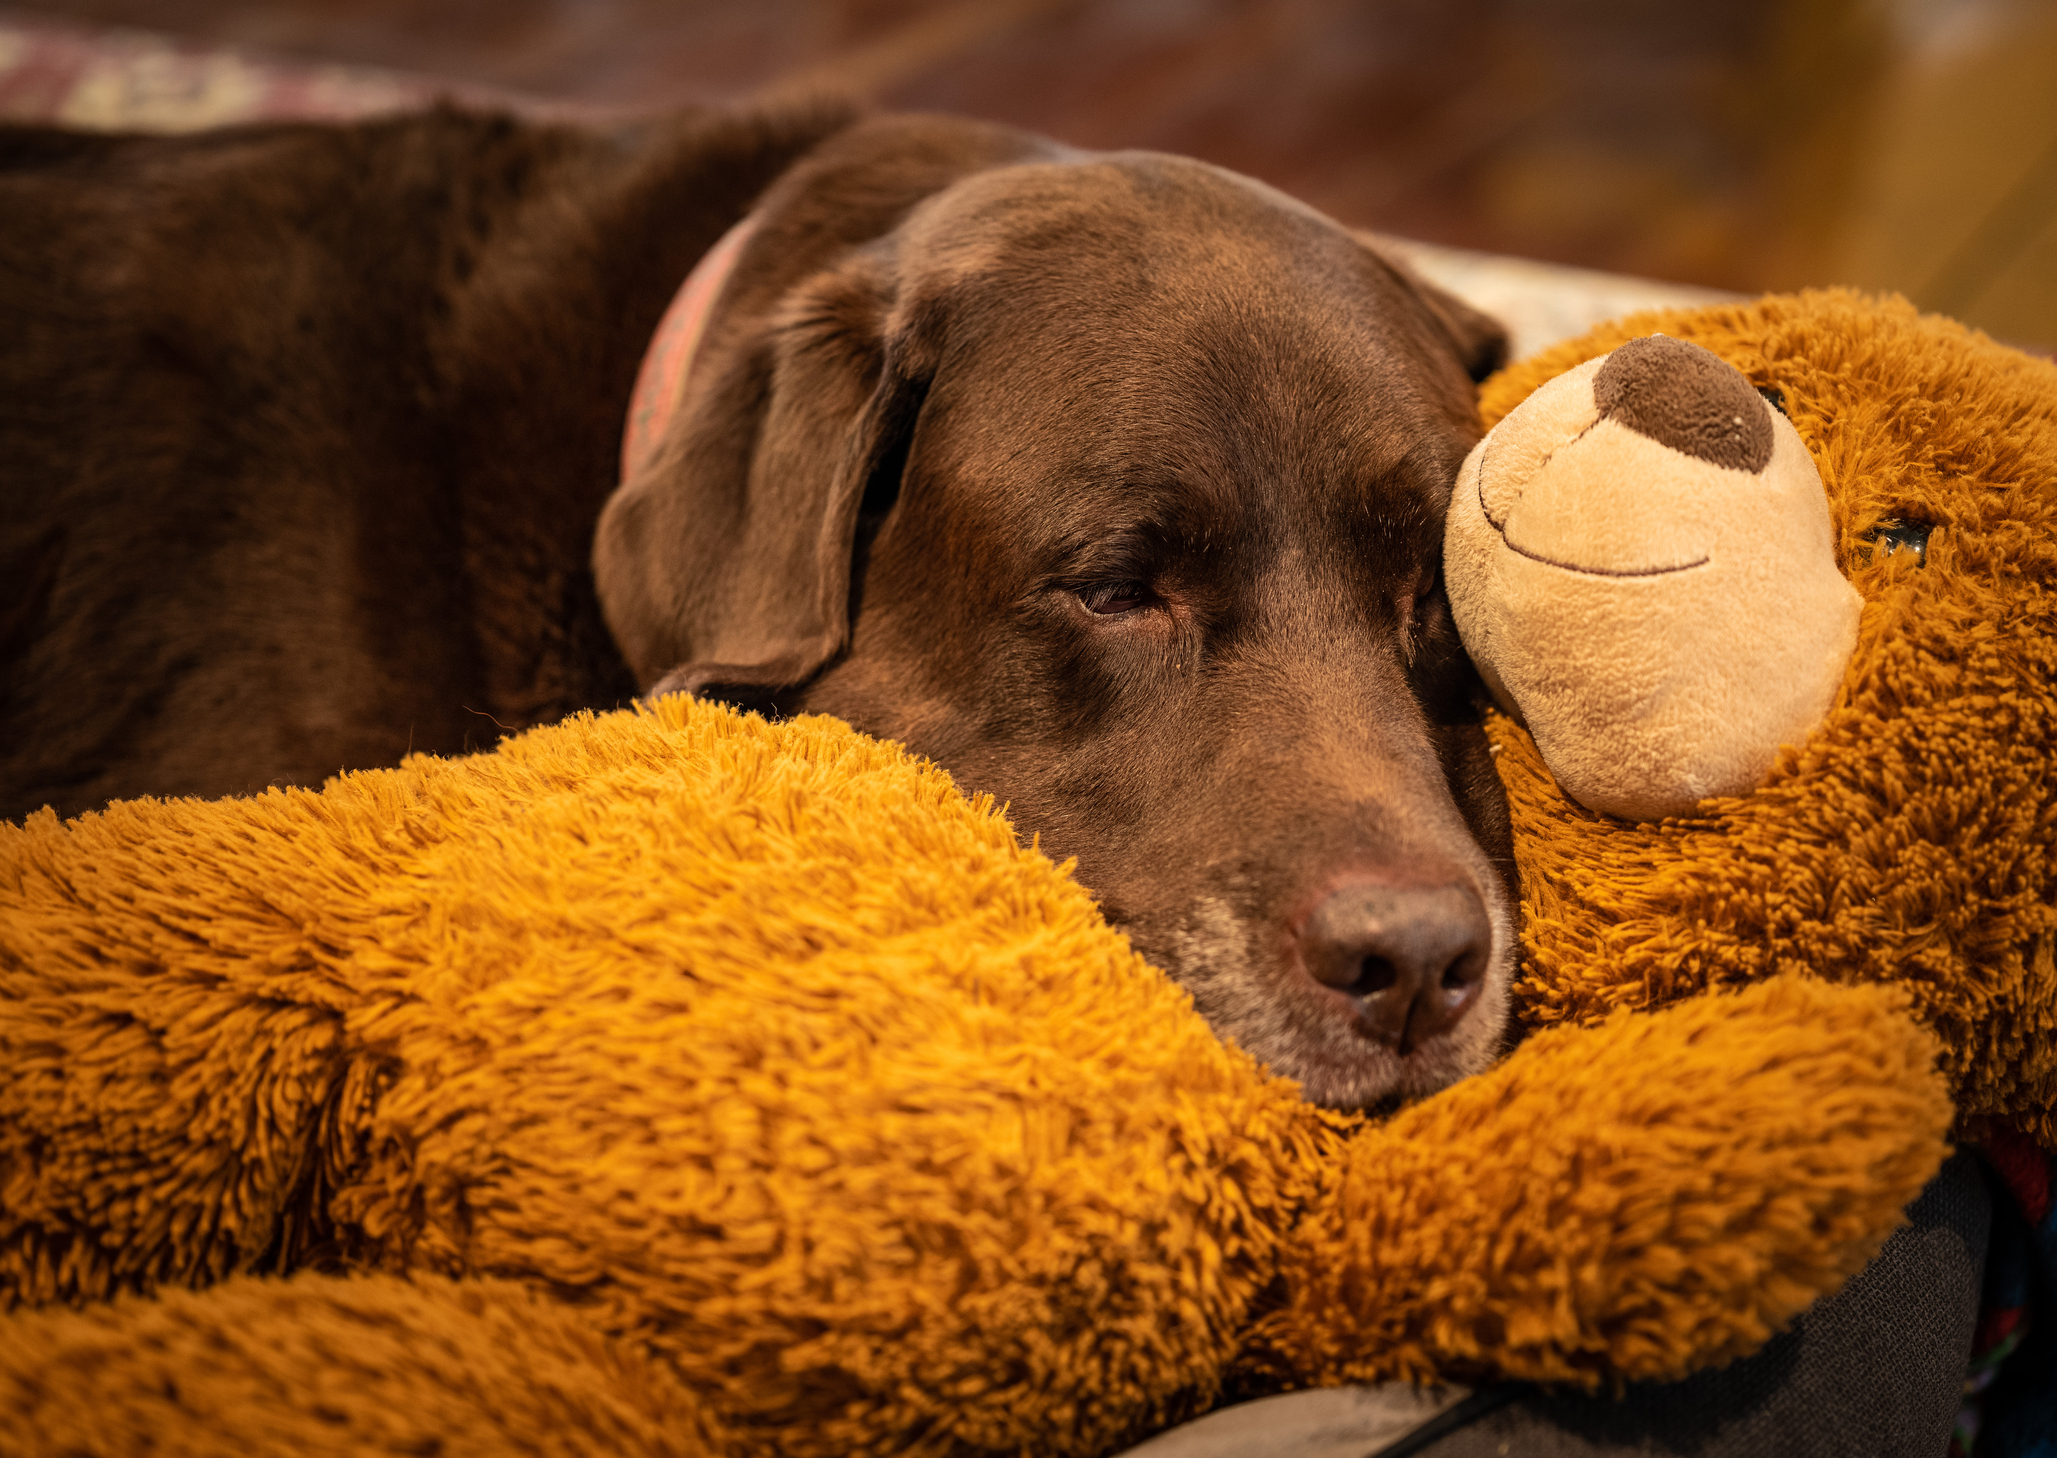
(305, 429)
(1113, 483)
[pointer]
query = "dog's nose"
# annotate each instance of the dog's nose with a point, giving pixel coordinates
(1413, 956)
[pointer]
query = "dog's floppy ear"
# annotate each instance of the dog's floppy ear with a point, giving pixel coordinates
(724, 562)
(1479, 339)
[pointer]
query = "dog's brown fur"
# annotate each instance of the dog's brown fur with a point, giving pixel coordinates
(1114, 483)
(305, 429)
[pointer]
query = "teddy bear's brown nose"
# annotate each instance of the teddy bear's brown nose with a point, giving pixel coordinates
(1688, 398)
(1412, 956)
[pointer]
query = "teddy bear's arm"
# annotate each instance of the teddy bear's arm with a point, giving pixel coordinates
(1636, 1200)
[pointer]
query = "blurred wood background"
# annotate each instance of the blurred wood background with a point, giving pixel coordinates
(1739, 144)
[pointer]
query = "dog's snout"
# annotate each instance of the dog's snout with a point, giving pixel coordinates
(1413, 957)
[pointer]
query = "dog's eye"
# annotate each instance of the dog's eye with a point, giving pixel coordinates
(1423, 607)
(1111, 598)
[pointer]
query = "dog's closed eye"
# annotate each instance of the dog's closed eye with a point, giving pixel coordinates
(1109, 599)
(1425, 598)
(1427, 631)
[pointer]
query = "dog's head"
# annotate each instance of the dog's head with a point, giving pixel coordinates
(1115, 484)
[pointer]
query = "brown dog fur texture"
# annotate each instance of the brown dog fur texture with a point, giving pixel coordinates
(1113, 482)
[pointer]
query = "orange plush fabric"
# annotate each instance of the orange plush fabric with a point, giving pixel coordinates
(761, 1060)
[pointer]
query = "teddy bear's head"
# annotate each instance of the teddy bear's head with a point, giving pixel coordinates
(1640, 563)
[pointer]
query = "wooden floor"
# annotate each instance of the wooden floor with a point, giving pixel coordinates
(1744, 144)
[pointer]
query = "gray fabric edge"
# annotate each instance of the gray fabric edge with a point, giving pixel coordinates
(1323, 1422)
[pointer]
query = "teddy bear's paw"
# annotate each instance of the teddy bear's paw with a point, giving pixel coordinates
(1638, 1199)
(328, 1367)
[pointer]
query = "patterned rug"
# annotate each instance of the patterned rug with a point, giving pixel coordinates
(112, 79)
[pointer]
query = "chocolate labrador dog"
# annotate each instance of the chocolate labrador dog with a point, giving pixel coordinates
(1112, 482)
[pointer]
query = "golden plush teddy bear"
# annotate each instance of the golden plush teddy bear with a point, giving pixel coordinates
(674, 1082)
(1901, 831)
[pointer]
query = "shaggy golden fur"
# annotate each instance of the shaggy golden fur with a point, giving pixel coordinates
(764, 1052)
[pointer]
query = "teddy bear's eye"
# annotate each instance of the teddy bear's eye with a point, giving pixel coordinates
(1774, 397)
(1894, 535)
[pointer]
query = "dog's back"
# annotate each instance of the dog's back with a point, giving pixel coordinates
(304, 429)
